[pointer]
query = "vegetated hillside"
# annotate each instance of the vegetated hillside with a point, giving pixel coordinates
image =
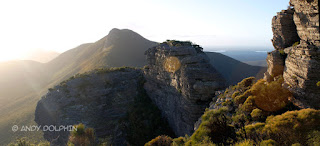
(26, 81)
(118, 48)
(252, 113)
(233, 70)
(111, 101)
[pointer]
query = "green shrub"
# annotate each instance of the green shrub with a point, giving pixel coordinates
(215, 126)
(236, 93)
(82, 136)
(25, 142)
(314, 138)
(249, 104)
(268, 142)
(240, 99)
(257, 114)
(160, 141)
(318, 84)
(295, 44)
(293, 126)
(178, 141)
(245, 143)
(281, 51)
(247, 82)
(253, 131)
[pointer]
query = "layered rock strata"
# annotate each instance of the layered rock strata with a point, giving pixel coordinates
(284, 29)
(301, 64)
(181, 82)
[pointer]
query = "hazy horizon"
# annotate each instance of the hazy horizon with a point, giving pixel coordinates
(62, 25)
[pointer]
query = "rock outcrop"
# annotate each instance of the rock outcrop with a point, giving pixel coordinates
(275, 61)
(98, 100)
(301, 63)
(181, 82)
(284, 30)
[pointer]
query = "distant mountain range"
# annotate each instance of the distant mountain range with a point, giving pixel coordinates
(23, 82)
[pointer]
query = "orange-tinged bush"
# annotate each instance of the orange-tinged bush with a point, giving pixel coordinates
(270, 96)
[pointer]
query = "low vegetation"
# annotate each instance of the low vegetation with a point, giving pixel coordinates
(160, 141)
(25, 142)
(176, 43)
(295, 44)
(260, 115)
(82, 136)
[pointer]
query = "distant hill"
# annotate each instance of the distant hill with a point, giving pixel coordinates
(40, 55)
(23, 82)
(233, 70)
(257, 63)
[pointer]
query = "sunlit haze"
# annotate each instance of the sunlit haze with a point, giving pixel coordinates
(61, 25)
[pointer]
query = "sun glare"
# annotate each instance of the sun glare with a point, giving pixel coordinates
(8, 55)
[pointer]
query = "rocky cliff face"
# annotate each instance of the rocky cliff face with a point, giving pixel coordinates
(181, 82)
(98, 100)
(299, 61)
(284, 29)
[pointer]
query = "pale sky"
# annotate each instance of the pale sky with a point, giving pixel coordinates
(60, 25)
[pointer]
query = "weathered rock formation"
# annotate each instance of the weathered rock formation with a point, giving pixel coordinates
(284, 30)
(275, 61)
(181, 82)
(98, 100)
(301, 62)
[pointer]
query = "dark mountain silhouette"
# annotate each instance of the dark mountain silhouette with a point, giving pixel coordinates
(233, 70)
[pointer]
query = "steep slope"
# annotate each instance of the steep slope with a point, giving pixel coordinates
(233, 70)
(105, 100)
(118, 48)
(27, 81)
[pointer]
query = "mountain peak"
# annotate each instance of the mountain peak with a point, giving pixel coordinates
(116, 36)
(115, 32)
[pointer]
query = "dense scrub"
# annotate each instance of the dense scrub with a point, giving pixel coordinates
(255, 113)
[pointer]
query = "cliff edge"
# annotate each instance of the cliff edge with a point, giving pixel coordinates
(181, 82)
(297, 55)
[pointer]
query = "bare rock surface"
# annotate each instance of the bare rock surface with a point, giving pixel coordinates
(184, 89)
(301, 64)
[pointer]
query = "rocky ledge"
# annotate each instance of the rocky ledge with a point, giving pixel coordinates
(181, 82)
(297, 59)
